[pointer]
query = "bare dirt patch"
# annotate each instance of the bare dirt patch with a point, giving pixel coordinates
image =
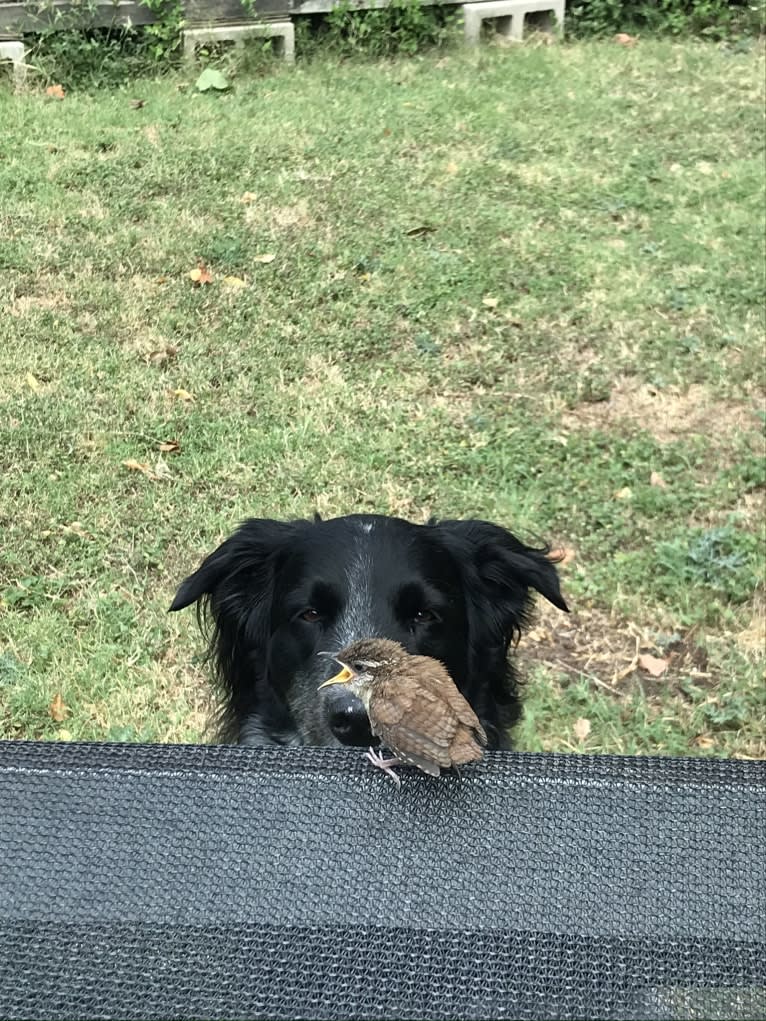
(668, 414)
(611, 652)
(39, 301)
(279, 218)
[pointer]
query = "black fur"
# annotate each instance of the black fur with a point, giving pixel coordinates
(277, 593)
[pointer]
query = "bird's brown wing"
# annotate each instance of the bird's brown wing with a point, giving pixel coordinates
(422, 717)
(411, 723)
(468, 738)
(440, 681)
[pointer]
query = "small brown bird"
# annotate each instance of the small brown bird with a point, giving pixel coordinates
(413, 704)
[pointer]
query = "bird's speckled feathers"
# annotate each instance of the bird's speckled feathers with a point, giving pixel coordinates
(415, 708)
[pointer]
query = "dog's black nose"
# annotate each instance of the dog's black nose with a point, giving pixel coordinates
(348, 720)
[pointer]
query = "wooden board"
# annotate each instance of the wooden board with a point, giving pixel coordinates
(16, 18)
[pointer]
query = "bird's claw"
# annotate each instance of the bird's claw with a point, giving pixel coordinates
(385, 764)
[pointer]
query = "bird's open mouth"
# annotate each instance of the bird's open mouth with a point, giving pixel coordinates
(342, 677)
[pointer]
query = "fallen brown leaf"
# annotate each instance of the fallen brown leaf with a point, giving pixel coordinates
(420, 232)
(55, 92)
(624, 494)
(33, 383)
(625, 40)
(563, 556)
(136, 104)
(538, 634)
(163, 356)
(201, 275)
(169, 446)
(181, 394)
(138, 466)
(703, 741)
(236, 283)
(653, 665)
(264, 258)
(655, 479)
(57, 709)
(248, 197)
(452, 168)
(581, 728)
(490, 302)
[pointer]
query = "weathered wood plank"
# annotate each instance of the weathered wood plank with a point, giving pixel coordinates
(35, 17)
(197, 11)
(15, 17)
(323, 6)
(46, 14)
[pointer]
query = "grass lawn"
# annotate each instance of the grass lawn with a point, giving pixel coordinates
(523, 284)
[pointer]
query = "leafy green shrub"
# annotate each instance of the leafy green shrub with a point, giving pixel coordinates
(77, 57)
(165, 32)
(70, 50)
(715, 18)
(405, 26)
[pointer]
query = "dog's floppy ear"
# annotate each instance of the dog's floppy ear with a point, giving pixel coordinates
(248, 552)
(506, 562)
(233, 590)
(498, 572)
(503, 569)
(205, 578)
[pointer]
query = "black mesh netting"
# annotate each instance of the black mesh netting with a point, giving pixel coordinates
(173, 882)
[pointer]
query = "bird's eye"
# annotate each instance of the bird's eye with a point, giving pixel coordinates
(359, 667)
(311, 615)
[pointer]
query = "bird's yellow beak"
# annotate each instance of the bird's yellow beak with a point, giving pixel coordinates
(342, 677)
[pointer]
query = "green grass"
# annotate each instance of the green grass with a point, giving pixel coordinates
(585, 315)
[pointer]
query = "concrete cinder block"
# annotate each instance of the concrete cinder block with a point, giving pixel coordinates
(508, 16)
(282, 32)
(13, 50)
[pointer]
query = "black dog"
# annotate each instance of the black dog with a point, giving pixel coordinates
(277, 593)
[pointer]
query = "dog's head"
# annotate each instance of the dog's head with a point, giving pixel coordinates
(278, 593)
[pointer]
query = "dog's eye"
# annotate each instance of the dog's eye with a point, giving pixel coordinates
(424, 617)
(311, 615)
